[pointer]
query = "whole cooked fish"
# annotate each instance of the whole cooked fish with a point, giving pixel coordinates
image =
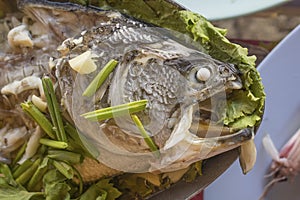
(186, 88)
(155, 67)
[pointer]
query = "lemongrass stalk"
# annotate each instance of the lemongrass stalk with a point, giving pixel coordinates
(25, 177)
(116, 111)
(53, 143)
(35, 182)
(66, 156)
(100, 78)
(39, 118)
(146, 137)
(22, 168)
(54, 109)
(36, 178)
(20, 153)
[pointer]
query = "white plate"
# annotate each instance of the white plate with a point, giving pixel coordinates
(221, 9)
(280, 72)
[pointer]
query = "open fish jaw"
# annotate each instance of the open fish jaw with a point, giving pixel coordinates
(151, 66)
(193, 149)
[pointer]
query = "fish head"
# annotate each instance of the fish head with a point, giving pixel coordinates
(205, 76)
(172, 77)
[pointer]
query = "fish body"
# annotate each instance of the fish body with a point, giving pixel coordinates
(173, 75)
(153, 65)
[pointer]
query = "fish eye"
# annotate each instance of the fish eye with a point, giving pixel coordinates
(203, 74)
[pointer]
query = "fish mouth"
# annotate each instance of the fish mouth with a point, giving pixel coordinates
(207, 107)
(196, 95)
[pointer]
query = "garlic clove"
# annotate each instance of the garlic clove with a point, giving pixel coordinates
(39, 103)
(83, 64)
(19, 37)
(247, 156)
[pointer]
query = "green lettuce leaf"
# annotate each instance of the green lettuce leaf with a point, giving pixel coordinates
(10, 190)
(102, 190)
(132, 186)
(240, 104)
(56, 186)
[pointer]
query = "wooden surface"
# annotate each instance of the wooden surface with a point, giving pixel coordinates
(269, 25)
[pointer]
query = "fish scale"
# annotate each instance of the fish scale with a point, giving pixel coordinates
(153, 80)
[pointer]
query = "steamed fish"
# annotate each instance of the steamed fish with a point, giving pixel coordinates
(187, 91)
(174, 78)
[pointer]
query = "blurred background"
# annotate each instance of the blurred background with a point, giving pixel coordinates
(261, 31)
(269, 25)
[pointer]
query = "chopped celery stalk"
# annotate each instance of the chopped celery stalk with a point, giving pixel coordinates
(146, 137)
(100, 78)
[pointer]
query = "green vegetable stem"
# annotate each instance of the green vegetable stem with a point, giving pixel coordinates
(54, 109)
(100, 78)
(116, 111)
(39, 118)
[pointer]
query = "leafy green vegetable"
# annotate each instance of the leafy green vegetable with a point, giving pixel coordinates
(193, 172)
(7, 175)
(160, 12)
(239, 105)
(56, 186)
(133, 186)
(10, 190)
(103, 190)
